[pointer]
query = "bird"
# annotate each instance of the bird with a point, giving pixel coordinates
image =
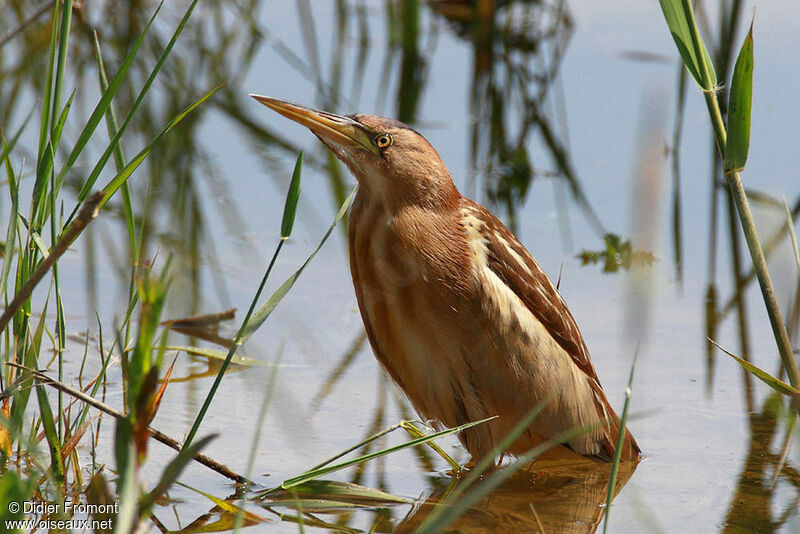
(457, 311)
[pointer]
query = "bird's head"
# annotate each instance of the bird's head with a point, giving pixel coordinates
(387, 157)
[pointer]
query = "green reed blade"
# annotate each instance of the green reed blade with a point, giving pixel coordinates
(316, 473)
(290, 207)
(89, 184)
(266, 309)
(775, 383)
(115, 183)
(683, 27)
(739, 107)
(102, 107)
(623, 420)
(119, 153)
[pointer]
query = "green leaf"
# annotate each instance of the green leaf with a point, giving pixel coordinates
(115, 183)
(775, 383)
(13, 190)
(50, 432)
(290, 208)
(316, 473)
(127, 488)
(739, 106)
(104, 103)
(612, 479)
(87, 186)
(266, 309)
(680, 20)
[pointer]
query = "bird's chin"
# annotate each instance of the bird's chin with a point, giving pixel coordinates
(355, 156)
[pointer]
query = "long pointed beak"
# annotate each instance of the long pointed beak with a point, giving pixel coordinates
(339, 129)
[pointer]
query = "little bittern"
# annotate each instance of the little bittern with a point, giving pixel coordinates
(456, 309)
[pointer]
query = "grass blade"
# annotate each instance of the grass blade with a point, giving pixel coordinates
(119, 154)
(103, 105)
(242, 333)
(778, 385)
(316, 473)
(683, 27)
(63, 49)
(612, 480)
(266, 309)
(89, 184)
(290, 207)
(51, 434)
(739, 106)
(12, 224)
(44, 126)
(115, 183)
(412, 429)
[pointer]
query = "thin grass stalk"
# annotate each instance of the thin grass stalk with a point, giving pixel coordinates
(12, 223)
(60, 336)
(612, 479)
(762, 273)
(409, 427)
(287, 222)
(119, 153)
(44, 125)
(63, 49)
(316, 473)
(236, 342)
(357, 446)
(734, 181)
(104, 103)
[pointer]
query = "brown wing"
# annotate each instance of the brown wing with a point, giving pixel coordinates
(533, 287)
(517, 269)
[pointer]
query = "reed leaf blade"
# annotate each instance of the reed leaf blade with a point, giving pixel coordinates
(739, 108)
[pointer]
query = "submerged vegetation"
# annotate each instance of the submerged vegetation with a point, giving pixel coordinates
(83, 87)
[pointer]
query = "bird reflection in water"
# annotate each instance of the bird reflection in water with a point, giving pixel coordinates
(551, 496)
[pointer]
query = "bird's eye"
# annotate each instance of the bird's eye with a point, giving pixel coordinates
(383, 140)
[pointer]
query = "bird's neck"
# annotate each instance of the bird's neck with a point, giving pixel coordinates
(433, 193)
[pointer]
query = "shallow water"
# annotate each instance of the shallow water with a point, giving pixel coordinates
(605, 110)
